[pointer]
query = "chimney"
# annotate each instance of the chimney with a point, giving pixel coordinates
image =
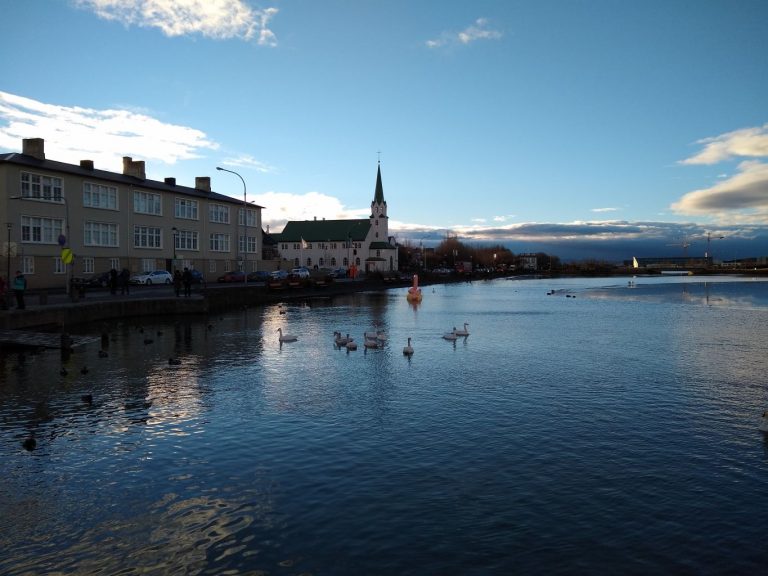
(33, 147)
(170, 181)
(134, 168)
(203, 183)
(86, 164)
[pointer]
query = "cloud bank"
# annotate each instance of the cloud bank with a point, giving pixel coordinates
(73, 133)
(217, 19)
(742, 197)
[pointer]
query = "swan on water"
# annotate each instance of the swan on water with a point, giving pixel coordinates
(371, 342)
(351, 345)
(463, 332)
(286, 337)
(340, 340)
(408, 349)
(450, 335)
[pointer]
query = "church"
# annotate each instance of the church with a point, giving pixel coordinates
(361, 245)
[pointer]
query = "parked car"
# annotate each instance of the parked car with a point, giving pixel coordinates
(258, 276)
(97, 280)
(154, 277)
(339, 272)
(300, 272)
(279, 275)
(232, 276)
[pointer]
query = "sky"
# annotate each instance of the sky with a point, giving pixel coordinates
(583, 128)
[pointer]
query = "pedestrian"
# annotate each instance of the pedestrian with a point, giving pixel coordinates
(113, 281)
(177, 282)
(187, 279)
(19, 286)
(125, 281)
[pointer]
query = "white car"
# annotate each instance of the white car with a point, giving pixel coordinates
(154, 277)
(301, 272)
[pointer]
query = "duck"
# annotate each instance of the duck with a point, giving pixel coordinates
(103, 354)
(63, 371)
(763, 427)
(148, 341)
(84, 370)
(87, 399)
(286, 337)
(408, 349)
(29, 444)
(463, 332)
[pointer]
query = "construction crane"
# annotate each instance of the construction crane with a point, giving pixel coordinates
(684, 244)
(709, 239)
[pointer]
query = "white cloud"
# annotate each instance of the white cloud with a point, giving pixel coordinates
(280, 207)
(477, 31)
(248, 161)
(218, 19)
(605, 210)
(740, 198)
(747, 142)
(72, 133)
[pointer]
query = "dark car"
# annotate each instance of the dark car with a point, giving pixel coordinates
(197, 277)
(232, 276)
(97, 280)
(258, 276)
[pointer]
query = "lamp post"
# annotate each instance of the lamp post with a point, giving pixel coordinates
(175, 237)
(8, 259)
(245, 223)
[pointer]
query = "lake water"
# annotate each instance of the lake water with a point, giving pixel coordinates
(609, 427)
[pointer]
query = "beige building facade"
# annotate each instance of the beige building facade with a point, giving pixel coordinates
(67, 220)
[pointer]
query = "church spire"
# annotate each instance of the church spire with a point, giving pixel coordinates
(378, 197)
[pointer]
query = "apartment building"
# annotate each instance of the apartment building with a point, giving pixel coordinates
(66, 220)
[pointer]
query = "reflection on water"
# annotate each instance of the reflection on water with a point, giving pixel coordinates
(584, 425)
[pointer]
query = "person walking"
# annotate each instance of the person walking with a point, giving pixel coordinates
(3, 301)
(177, 282)
(113, 281)
(19, 286)
(125, 281)
(186, 277)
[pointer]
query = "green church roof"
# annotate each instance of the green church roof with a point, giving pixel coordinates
(325, 230)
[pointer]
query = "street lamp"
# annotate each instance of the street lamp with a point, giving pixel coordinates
(175, 237)
(8, 258)
(245, 224)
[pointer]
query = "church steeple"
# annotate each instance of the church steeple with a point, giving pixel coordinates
(378, 196)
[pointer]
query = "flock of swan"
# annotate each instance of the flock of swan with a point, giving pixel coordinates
(375, 339)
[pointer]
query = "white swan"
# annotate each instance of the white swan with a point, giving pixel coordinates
(763, 427)
(463, 332)
(286, 337)
(408, 349)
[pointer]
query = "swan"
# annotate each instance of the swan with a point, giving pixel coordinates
(286, 337)
(351, 345)
(450, 335)
(463, 332)
(408, 349)
(763, 427)
(341, 340)
(371, 342)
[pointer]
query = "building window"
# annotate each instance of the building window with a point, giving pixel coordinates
(186, 240)
(41, 187)
(147, 264)
(100, 234)
(87, 265)
(147, 203)
(333, 262)
(346, 262)
(309, 262)
(186, 209)
(114, 263)
(219, 243)
(58, 266)
(36, 230)
(147, 237)
(98, 196)
(252, 220)
(320, 262)
(211, 265)
(251, 246)
(218, 213)
(27, 265)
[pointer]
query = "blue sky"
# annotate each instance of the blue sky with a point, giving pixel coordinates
(593, 128)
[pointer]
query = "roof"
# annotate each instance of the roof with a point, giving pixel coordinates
(381, 246)
(324, 230)
(116, 177)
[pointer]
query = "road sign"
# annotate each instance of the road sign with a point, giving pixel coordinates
(66, 256)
